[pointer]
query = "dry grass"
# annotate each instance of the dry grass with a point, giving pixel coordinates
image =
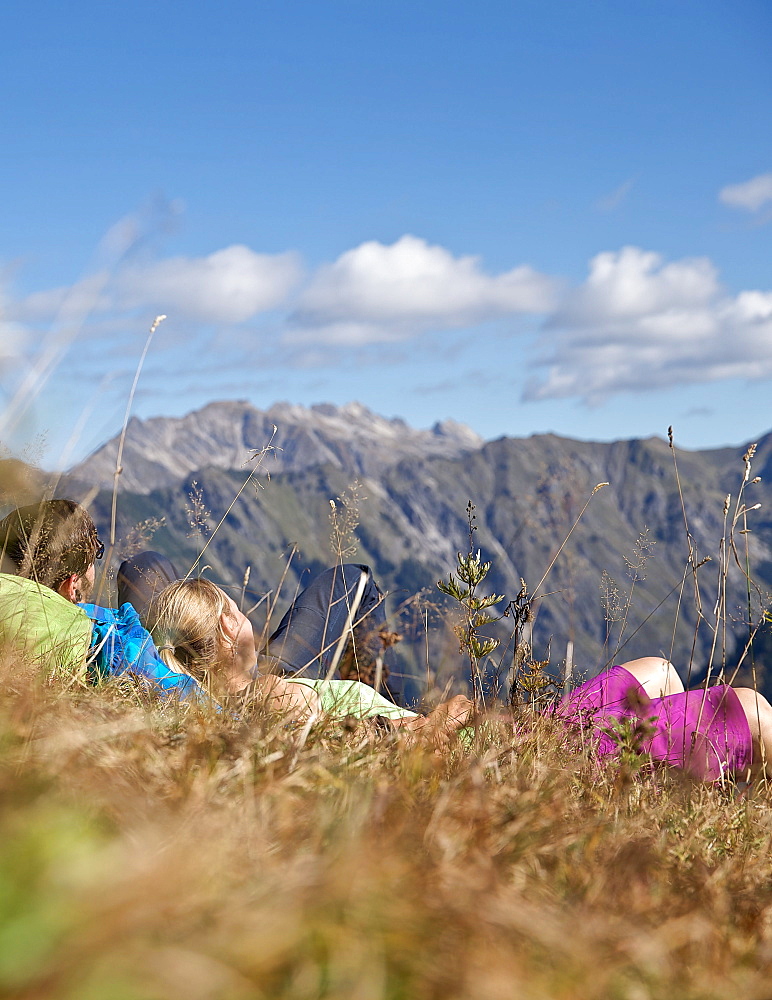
(149, 854)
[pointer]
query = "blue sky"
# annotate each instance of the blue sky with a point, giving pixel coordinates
(547, 216)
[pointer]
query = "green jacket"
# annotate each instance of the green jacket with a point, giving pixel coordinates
(43, 627)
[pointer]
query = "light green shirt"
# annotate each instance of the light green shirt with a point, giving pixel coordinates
(342, 698)
(43, 627)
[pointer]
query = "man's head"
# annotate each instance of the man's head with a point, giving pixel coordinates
(54, 542)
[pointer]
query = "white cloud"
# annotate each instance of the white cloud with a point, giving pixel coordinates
(638, 324)
(634, 282)
(347, 334)
(378, 293)
(372, 294)
(13, 335)
(229, 286)
(751, 195)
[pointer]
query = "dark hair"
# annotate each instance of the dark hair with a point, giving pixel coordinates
(50, 540)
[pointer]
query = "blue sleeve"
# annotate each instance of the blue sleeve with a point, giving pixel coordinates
(121, 646)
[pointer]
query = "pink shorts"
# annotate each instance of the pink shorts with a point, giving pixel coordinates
(705, 731)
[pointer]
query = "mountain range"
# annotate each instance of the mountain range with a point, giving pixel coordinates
(624, 576)
(285, 438)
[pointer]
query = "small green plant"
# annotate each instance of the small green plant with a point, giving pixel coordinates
(463, 586)
(630, 734)
(532, 680)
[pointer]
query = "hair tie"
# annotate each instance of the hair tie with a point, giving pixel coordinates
(162, 648)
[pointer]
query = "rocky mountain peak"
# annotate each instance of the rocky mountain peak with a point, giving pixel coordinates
(225, 434)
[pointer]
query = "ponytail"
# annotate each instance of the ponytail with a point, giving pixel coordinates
(187, 627)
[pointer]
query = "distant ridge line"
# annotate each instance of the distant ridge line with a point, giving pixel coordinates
(159, 451)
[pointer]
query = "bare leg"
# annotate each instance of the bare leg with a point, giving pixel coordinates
(657, 675)
(758, 712)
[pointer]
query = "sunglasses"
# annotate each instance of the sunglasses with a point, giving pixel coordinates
(100, 549)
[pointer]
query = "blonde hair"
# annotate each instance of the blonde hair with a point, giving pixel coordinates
(187, 627)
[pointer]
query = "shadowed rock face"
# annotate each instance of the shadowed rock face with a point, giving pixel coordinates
(414, 489)
(224, 435)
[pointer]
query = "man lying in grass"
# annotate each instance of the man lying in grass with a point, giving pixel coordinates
(53, 546)
(49, 551)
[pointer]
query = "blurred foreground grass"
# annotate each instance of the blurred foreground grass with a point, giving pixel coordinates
(145, 854)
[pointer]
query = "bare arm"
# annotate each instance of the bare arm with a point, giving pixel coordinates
(294, 701)
(442, 723)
